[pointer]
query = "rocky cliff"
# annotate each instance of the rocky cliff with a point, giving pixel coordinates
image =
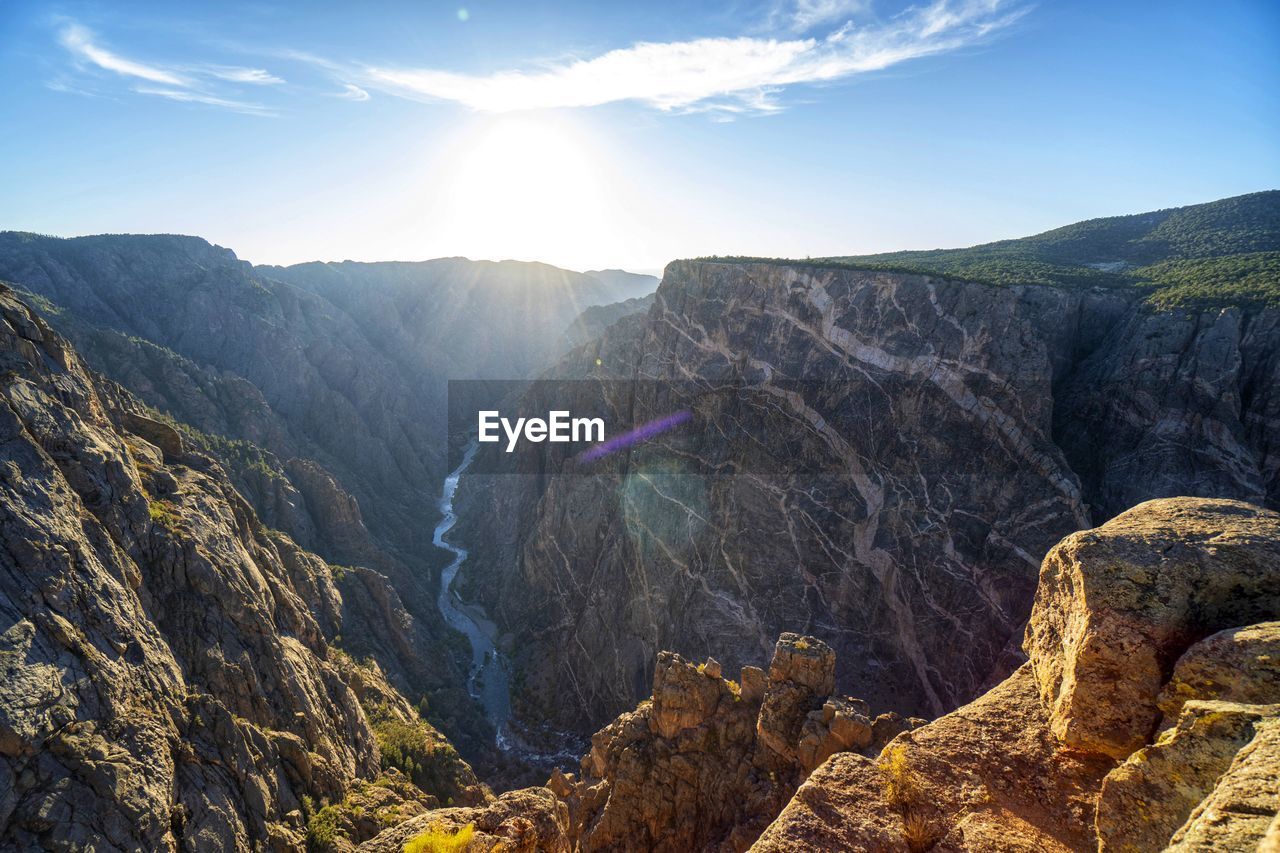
(167, 681)
(897, 451)
(1146, 718)
(320, 388)
(708, 762)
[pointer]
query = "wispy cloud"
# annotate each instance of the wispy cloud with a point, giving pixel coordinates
(808, 14)
(351, 92)
(186, 96)
(813, 42)
(79, 41)
(728, 74)
(255, 76)
(194, 84)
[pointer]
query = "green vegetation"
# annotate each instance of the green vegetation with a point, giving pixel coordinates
(1208, 255)
(244, 457)
(439, 839)
(422, 754)
(322, 829)
(163, 513)
(1251, 280)
(908, 798)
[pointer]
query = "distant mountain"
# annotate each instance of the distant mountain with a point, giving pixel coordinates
(590, 324)
(454, 318)
(1221, 253)
(625, 285)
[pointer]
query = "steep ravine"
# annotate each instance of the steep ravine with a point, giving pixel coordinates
(488, 679)
(902, 451)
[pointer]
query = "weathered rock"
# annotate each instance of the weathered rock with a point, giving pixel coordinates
(995, 775)
(702, 765)
(683, 697)
(1244, 804)
(526, 821)
(1119, 604)
(1146, 799)
(840, 807)
(840, 725)
(753, 684)
(987, 777)
(1236, 665)
(801, 676)
(163, 682)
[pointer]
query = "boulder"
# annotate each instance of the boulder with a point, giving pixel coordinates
(1117, 605)
(801, 676)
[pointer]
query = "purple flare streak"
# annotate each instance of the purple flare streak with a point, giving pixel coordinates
(644, 432)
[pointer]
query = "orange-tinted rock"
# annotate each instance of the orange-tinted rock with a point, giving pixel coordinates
(1119, 604)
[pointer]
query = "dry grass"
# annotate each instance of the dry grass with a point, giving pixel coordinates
(438, 839)
(906, 794)
(919, 830)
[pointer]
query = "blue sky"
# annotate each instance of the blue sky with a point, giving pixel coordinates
(590, 134)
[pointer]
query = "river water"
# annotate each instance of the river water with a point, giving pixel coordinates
(489, 680)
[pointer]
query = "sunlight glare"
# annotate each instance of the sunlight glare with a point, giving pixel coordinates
(524, 187)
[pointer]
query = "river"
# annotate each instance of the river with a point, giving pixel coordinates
(489, 681)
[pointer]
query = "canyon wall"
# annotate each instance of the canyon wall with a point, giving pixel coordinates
(897, 453)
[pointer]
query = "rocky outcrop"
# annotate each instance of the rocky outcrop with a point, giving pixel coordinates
(1034, 765)
(1237, 665)
(707, 763)
(526, 821)
(165, 680)
(1147, 799)
(877, 458)
(1117, 605)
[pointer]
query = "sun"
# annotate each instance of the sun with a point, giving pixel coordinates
(523, 187)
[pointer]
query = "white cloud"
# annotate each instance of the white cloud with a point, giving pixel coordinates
(729, 74)
(352, 92)
(256, 76)
(79, 41)
(195, 84)
(189, 97)
(808, 14)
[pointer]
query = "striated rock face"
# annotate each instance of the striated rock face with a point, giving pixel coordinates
(705, 764)
(1021, 768)
(899, 453)
(165, 682)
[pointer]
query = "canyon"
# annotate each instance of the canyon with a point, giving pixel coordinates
(920, 531)
(895, 454)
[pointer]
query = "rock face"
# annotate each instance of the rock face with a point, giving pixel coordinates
(706, 764)
(898, 453)
(320, 388)
(165, 682)
(1031, 765)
